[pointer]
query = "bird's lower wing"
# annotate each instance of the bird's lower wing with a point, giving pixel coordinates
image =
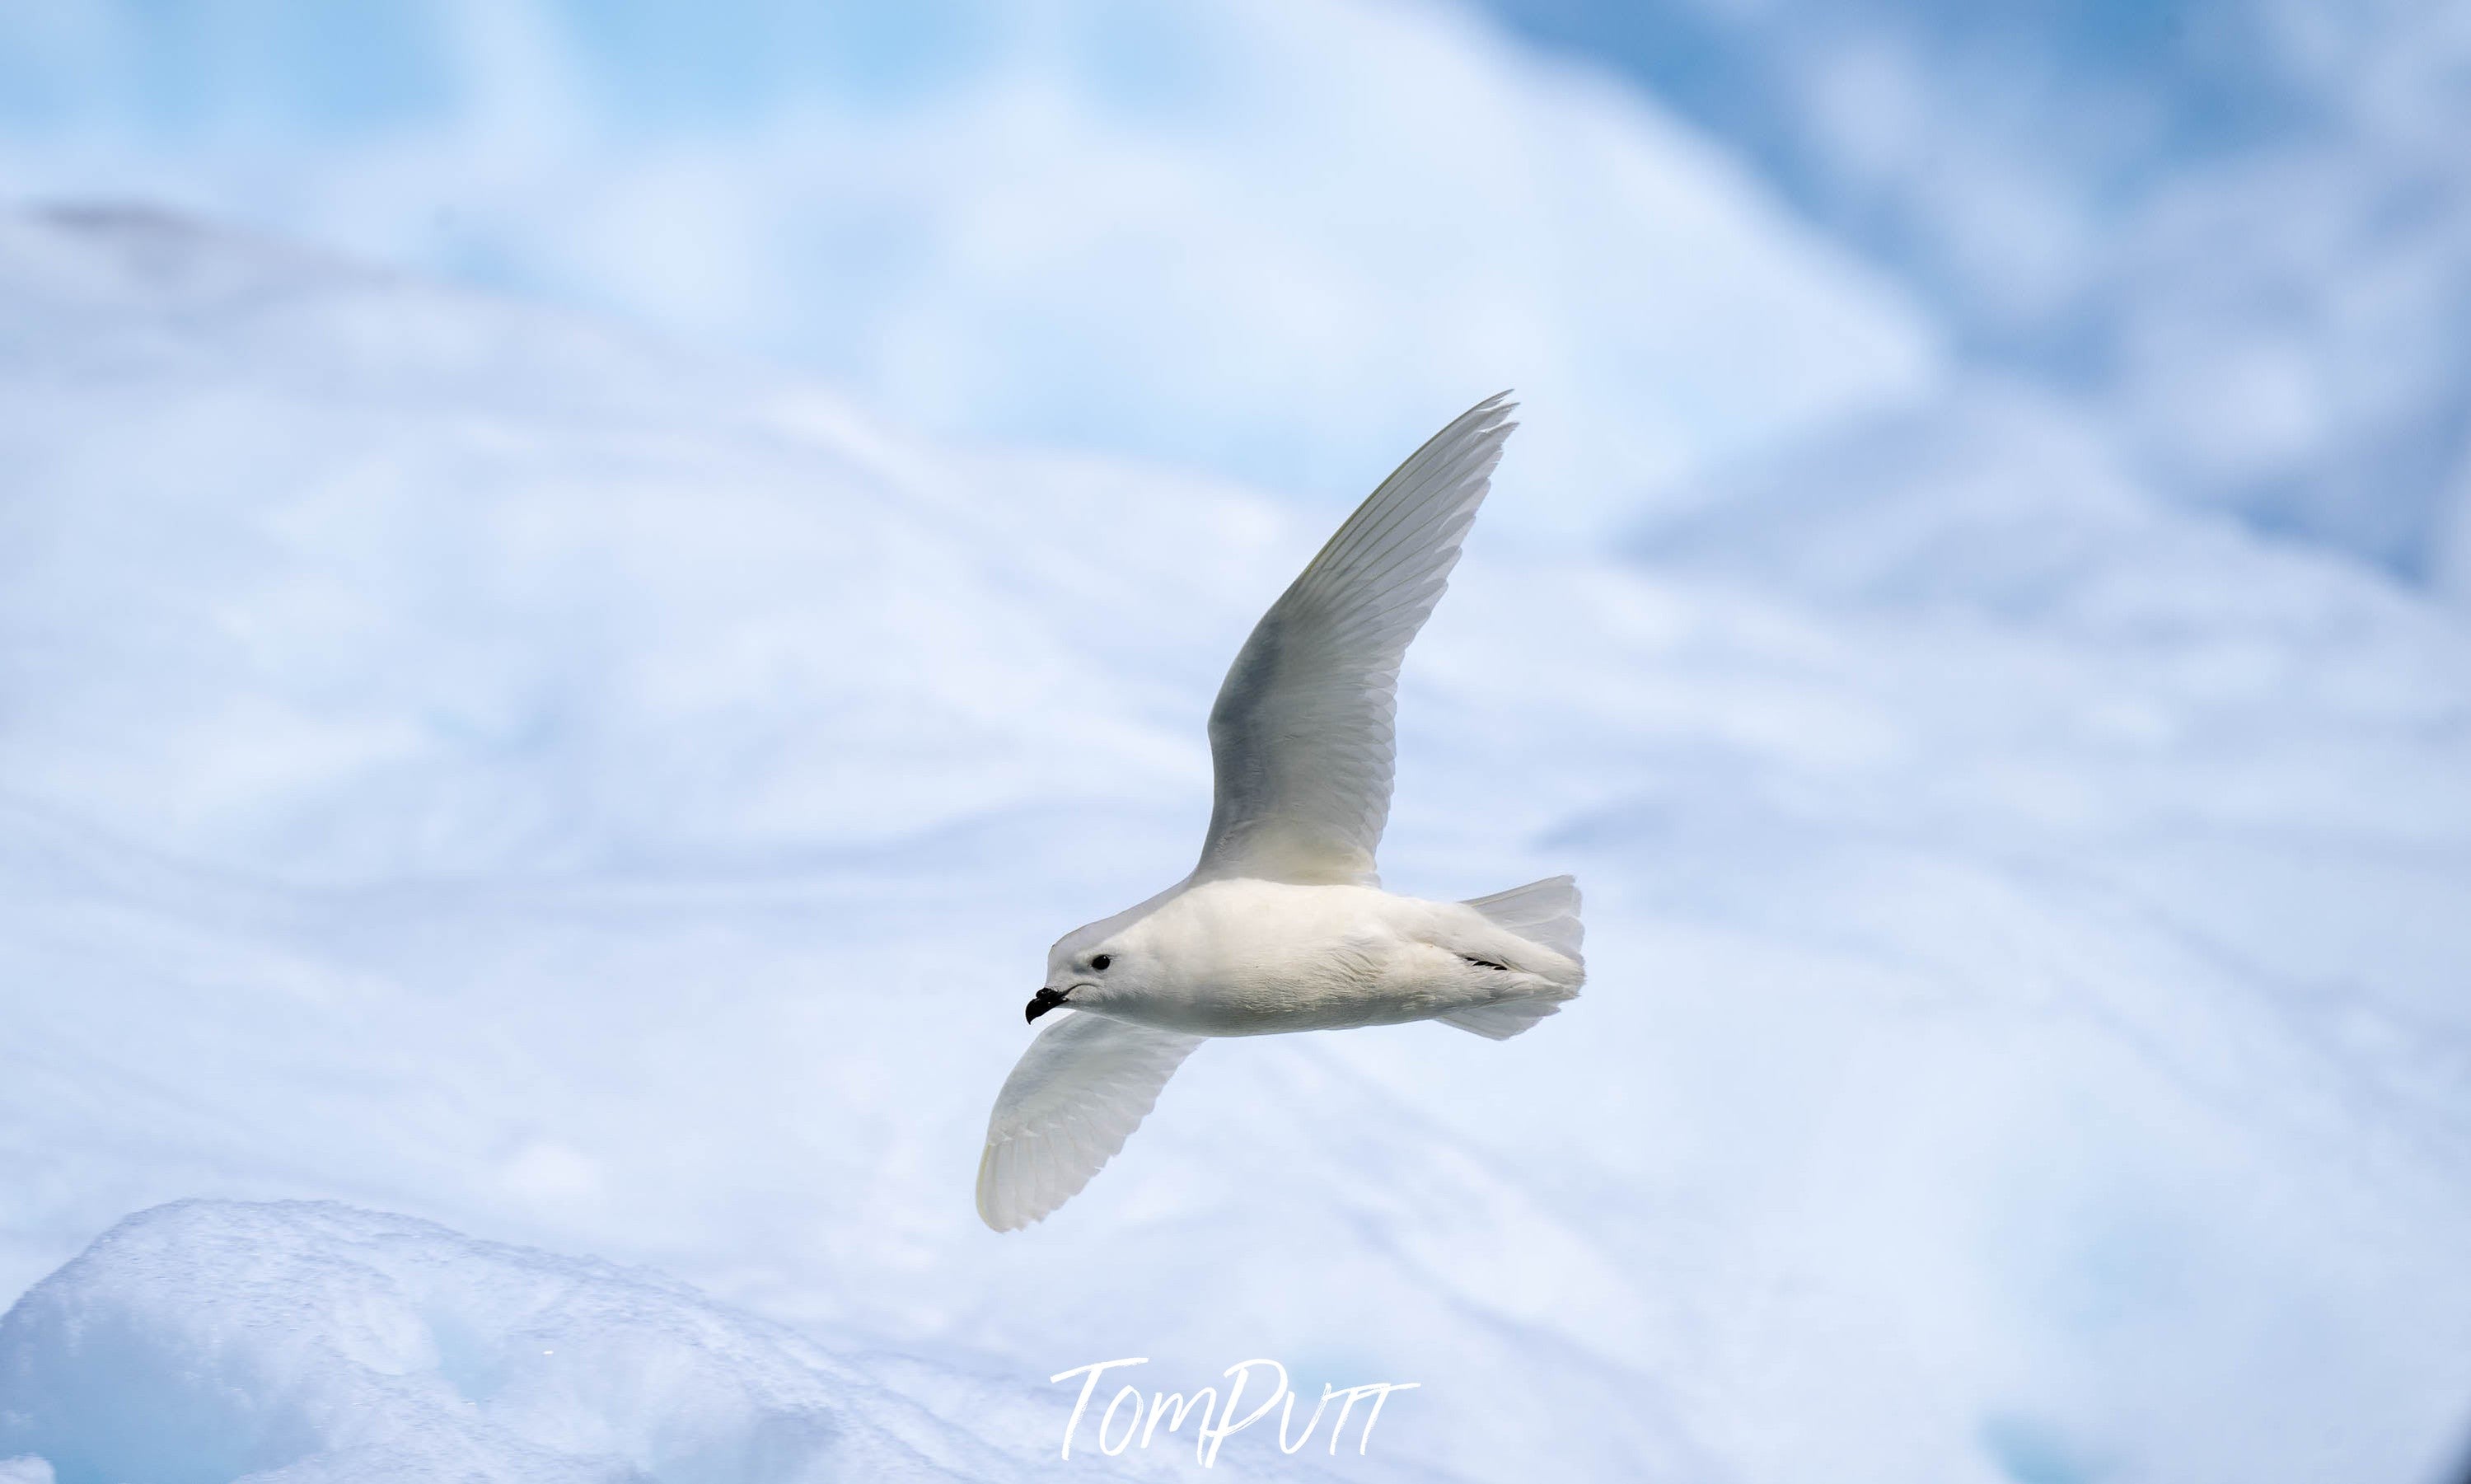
(1080, 1091)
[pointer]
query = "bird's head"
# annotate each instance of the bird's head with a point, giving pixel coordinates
(1087, 969)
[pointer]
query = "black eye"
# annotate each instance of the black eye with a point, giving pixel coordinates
(1101, 962)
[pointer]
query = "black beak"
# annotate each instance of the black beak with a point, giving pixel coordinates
(1044, 1000)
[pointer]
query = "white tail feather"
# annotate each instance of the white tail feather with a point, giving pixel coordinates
(1546, 915)
(1545, 912)
(1503, 1019)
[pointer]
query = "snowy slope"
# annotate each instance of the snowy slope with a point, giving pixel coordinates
(466, 763)
(403, 515)
(314, 1342)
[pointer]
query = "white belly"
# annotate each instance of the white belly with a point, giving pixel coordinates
(1248, 958)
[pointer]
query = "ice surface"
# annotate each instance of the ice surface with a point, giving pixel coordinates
(299, 1342)
(211, 1340)
(461, 761)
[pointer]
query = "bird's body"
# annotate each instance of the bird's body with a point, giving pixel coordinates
(1284, 926)
(1248, 958)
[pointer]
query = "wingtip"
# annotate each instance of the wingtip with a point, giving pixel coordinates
(1494, 413)
(987, 1193)
(1002, 1204)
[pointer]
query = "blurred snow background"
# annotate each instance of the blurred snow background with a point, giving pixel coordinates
(2238, 232)
(1264, 238)
(586, 588)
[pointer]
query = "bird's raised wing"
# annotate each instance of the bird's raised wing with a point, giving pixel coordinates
(1302, 735)
(1083, 1086)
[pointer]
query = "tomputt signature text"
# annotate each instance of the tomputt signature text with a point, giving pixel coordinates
(1173, 1407)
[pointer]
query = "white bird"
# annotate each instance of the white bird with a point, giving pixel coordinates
(1283, 925)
